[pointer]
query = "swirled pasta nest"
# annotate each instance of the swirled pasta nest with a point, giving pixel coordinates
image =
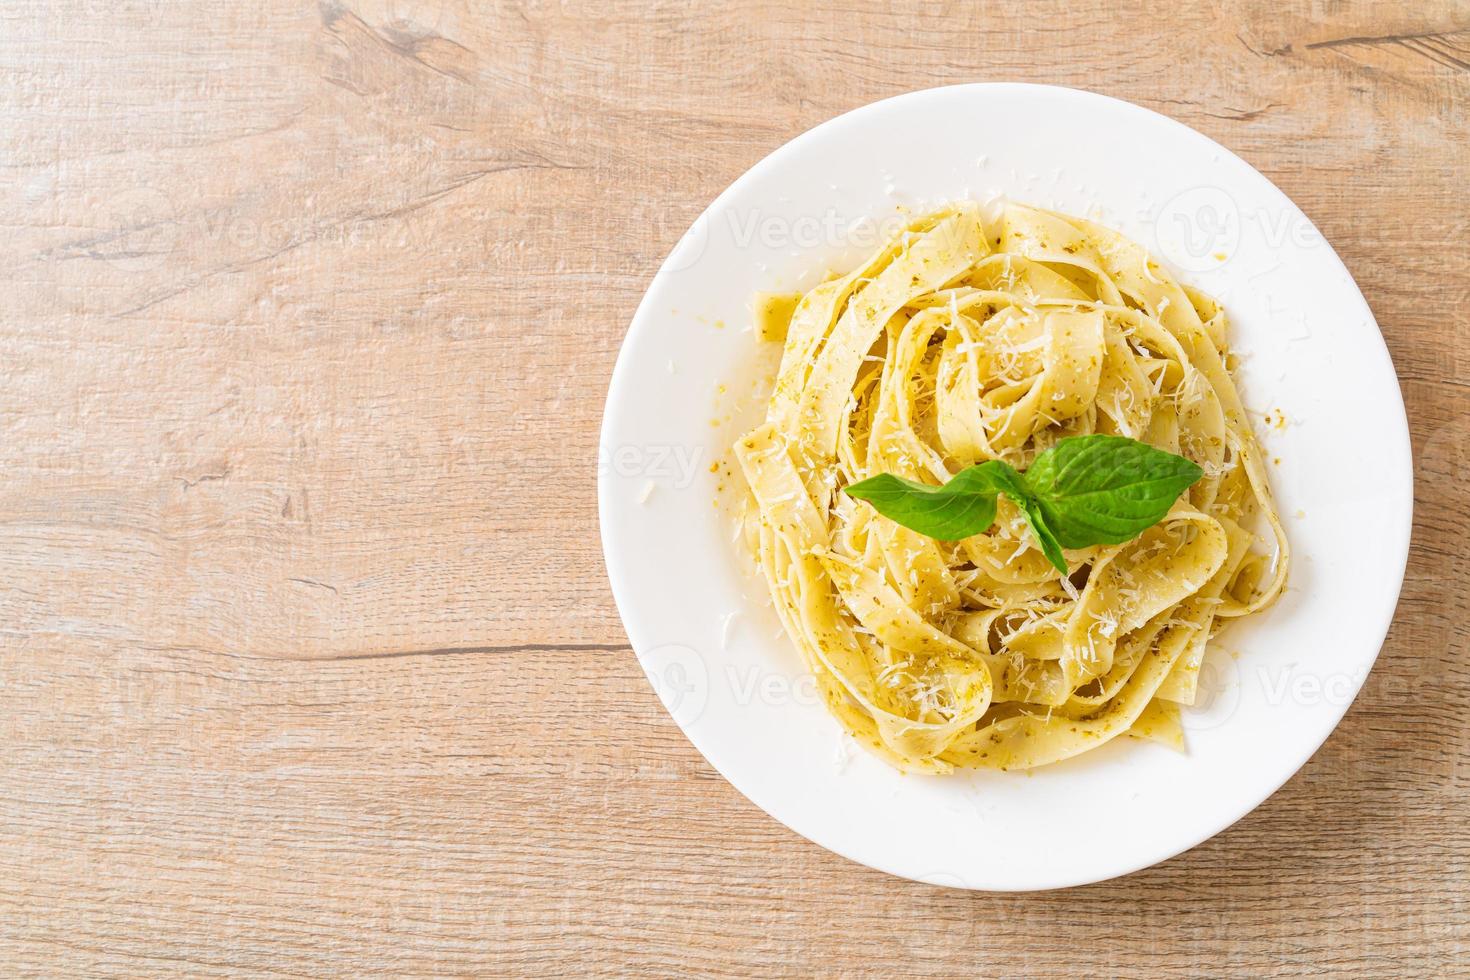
(958, 342)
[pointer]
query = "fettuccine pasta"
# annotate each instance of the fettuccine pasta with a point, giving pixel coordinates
(957, 343)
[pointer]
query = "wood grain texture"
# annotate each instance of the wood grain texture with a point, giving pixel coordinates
(297, 298)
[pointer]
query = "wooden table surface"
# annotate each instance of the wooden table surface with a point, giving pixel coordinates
(308, 661)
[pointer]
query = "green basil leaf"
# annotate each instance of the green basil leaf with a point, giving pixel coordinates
(1050, 546)
(962, 507)
(1016, 486)
(1102, 489)
(1083, 491)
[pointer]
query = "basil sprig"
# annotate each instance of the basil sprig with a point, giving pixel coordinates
(1083, 491)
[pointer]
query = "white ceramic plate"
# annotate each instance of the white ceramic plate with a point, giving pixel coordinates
(1273, 687)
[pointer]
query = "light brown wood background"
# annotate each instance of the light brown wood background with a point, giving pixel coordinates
(308, 662)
